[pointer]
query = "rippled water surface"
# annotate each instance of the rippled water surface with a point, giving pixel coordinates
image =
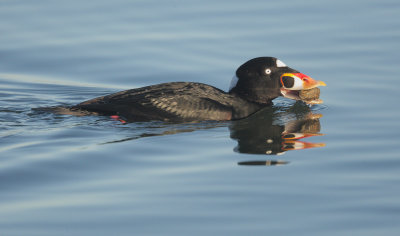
(64, 175)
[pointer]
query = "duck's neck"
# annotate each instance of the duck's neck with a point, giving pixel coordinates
(242, 108)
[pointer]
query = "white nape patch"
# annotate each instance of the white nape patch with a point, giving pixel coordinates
(234, 82)
(279, 63)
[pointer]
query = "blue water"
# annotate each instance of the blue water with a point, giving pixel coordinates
(64, 175)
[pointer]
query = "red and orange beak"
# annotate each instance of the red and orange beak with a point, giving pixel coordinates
(299, 81)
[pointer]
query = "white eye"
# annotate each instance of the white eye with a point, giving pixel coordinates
(279, 63)
(268, 71)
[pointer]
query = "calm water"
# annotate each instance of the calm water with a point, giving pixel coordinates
(63, 175)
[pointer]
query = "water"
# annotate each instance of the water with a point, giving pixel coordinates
(63, 175)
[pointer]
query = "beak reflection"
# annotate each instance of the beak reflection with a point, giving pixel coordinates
(265, 133)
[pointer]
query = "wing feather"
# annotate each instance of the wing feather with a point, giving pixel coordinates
(169, 102)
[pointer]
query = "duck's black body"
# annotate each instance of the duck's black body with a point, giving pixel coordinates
(256, 83)
(178, 101)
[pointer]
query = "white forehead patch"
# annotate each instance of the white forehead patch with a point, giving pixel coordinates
(279, 63)
(234, 82)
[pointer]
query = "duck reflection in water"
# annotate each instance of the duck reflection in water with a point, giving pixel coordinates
(274, 131)
(270, 131)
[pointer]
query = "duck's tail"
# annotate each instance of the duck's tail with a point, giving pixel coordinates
(64, 110)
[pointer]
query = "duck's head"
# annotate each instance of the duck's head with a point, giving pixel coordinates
(265, 78)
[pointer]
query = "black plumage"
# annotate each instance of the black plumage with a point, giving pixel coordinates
(257, 84)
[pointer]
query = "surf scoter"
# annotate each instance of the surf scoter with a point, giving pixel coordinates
(256, 83)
